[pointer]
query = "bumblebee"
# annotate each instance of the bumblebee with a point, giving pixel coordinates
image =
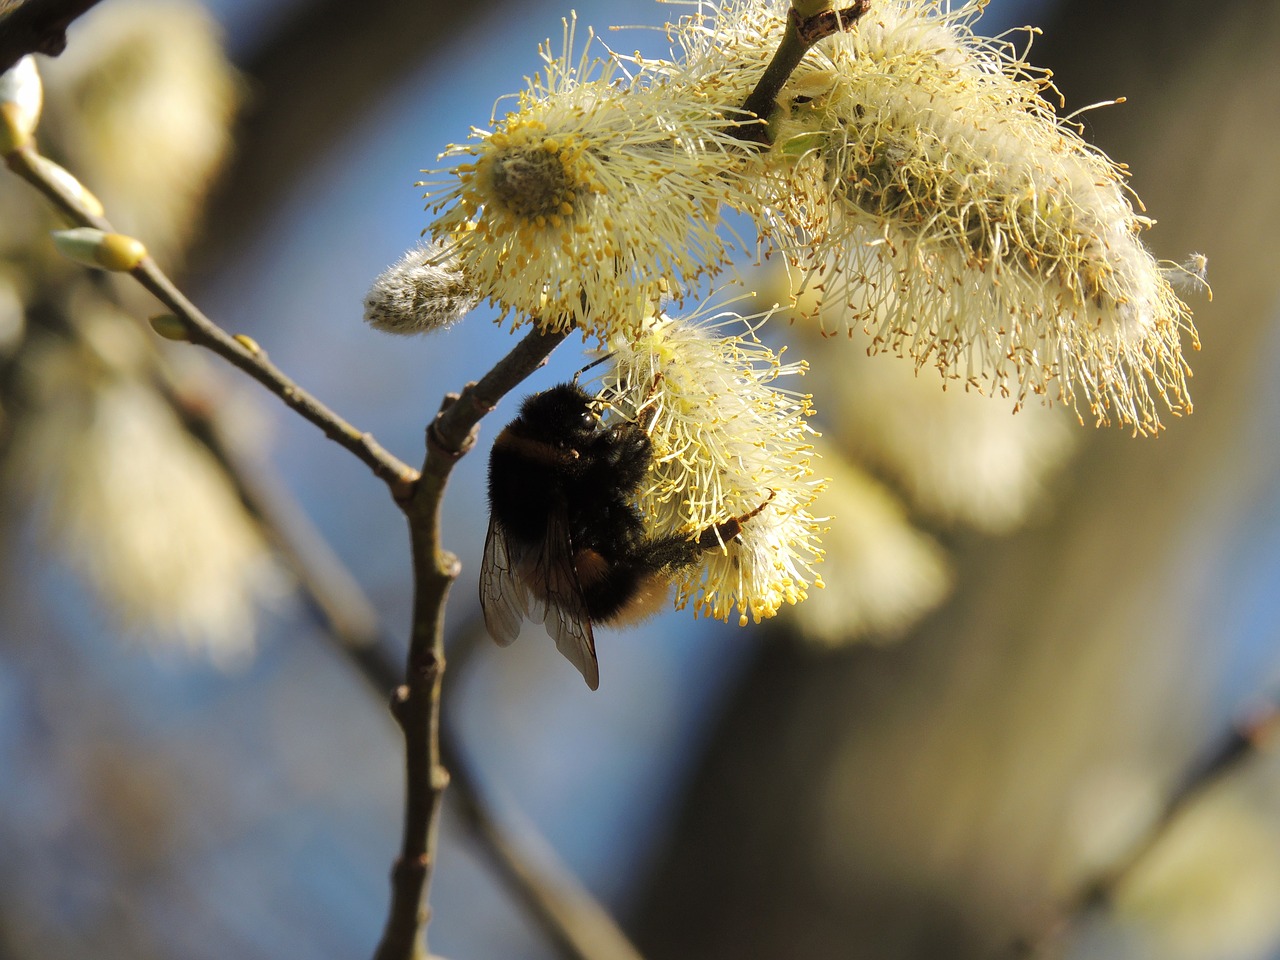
(566, 543)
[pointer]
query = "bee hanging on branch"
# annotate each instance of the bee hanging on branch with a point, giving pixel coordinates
(566, 544)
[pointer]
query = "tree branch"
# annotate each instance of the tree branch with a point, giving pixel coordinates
(416, 704)
(240, 351)
(565, 912)
(801, 33)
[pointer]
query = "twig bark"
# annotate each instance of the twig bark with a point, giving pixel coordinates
(416, 704)
(801, 33)
(239, 351)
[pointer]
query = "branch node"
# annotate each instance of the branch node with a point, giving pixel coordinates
(425, 667)
(824, 24)
(402, 489)
(399, 700)
(409, 868)
(437, 443)
(449, 564)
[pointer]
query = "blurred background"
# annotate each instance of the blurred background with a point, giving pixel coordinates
(1031, 629)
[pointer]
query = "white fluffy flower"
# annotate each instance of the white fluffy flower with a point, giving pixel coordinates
(919, 179)
(137, 507)
(727, 442)
(153, 96)
(593, 199)
(882, 572)
(959, 457)
(422, 291)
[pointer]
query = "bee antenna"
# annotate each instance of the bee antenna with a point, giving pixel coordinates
(593, 363)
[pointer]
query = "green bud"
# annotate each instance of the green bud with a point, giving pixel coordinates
(170, 327)
(96, 248)
(21, 97)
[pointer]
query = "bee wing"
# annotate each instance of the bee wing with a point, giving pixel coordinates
(561, 606)
(504, 596)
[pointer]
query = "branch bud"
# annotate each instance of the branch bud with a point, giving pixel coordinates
(170, 327)
(21, 97)
(249, 344)
(96, 248)
(423, 291)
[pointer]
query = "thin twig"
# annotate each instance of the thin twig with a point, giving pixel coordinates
(239, 351)
(1244, 741)
(416, 703)
(571, 919)
(801, 33)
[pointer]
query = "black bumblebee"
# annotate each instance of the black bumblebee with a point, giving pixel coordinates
(566, 543)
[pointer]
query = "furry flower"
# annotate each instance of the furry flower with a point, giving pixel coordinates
(420, 292)
(727, 443)
(920, 179)
(137, 507)
(589, 201)
(959, 457)
(888, 572)
(127, 498)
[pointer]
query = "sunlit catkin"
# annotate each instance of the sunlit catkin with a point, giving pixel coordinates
(595, 197)
(919, 180)
(422, 291)
(136, 506)
(727, 441)
(153, 95)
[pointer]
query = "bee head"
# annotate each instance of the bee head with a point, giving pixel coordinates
(563, 416)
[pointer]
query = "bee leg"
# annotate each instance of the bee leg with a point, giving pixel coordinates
(722, 533)
(675, 553)
(670, 553)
